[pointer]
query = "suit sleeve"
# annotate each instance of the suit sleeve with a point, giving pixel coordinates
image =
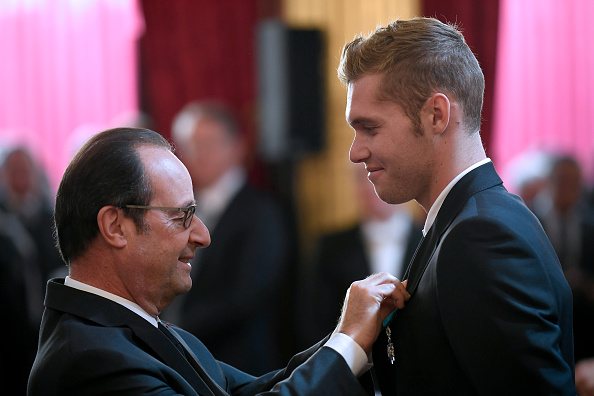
(503, 303)
(317, 371)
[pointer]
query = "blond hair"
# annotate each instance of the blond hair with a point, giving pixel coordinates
(418, 57)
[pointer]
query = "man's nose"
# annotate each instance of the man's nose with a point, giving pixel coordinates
(358, 153)
(199, 234)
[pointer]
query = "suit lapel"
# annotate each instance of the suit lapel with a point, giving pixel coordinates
(420, 260)
(477, 180)
(109, 313)
(171, 356)
(195, 362)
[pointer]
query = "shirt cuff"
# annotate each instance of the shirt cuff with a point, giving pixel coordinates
(353, 354)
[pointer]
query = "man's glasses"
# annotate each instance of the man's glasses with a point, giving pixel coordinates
(189, 211)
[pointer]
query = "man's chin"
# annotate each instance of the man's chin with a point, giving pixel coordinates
(185, 286)
(391, 198)
(385, 196)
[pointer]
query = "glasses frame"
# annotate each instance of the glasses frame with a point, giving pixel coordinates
(189, 211)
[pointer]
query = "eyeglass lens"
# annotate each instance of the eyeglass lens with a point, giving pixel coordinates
(189, 215)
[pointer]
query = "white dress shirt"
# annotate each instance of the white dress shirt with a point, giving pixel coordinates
(386, 242)
(432, 214)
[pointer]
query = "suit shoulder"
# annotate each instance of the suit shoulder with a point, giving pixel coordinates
(498, 206)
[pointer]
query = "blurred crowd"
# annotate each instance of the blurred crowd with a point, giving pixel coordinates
(555, 189)
(28, 256)
(238, 298)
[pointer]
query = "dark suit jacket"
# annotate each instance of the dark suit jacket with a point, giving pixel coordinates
(232, 305)
(340, 259)
(490, 311)
(93, 346)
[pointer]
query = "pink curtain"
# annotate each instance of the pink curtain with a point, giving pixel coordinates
(68, 69)
(544, 81)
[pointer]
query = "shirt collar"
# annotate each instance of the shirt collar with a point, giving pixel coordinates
(432, 214)
(110, 296)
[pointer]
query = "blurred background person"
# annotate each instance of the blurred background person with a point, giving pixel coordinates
(569, 224)
(233, 305)
(21, 300)
(528, 173)
(27, 258)
(24, 192)
(384, 239)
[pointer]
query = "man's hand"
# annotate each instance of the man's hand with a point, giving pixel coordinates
(584, 377)
(367, 303)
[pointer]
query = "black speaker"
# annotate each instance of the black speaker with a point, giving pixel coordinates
(290, 91)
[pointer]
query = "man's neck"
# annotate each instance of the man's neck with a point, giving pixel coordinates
(458, 156)
(69, 281)
(436, 206)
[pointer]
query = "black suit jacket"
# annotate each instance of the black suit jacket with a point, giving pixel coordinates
(490, 311)
(340, 259)
(233, 303)
(90, 345)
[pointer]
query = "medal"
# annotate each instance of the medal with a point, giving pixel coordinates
(390, 349)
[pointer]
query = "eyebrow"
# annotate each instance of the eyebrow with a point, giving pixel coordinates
(185, 205)
(361, 120)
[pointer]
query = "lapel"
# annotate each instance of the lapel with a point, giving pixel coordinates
(108, 313)
(477, 180)
(195, 363)
(171, 356)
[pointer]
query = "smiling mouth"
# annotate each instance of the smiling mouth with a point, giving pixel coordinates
(185, 261)
(370, 171)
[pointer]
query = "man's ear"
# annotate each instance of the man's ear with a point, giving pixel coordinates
(439, 106)
(111, 226)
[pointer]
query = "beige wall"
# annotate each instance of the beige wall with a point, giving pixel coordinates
(323, 184)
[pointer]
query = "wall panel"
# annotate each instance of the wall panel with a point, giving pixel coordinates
(323, 183)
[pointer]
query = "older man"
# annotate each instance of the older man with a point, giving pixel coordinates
(126, 226)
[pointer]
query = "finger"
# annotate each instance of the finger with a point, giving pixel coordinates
(397, 301)
(381, 277)
(399, 296)
(401, 287)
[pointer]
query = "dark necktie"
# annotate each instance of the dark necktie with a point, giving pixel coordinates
(172, 338)
(176, 340)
